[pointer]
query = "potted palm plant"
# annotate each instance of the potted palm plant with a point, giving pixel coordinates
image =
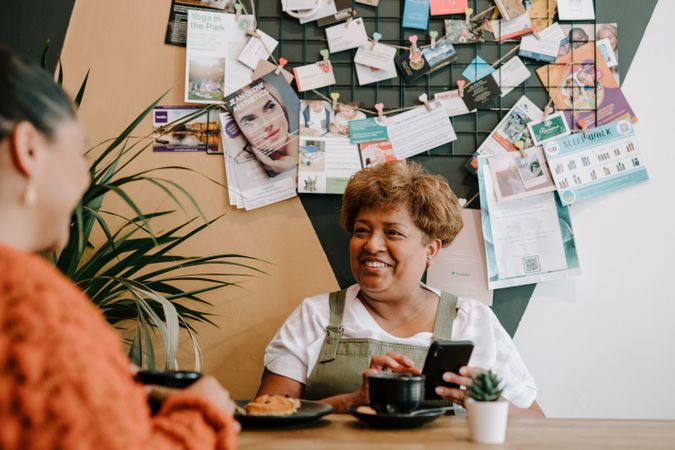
(488, 412)
(144, 288)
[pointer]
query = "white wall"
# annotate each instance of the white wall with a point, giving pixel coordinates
(603, 344)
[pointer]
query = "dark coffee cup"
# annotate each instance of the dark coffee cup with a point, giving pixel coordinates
(172, 379)
(392, 393)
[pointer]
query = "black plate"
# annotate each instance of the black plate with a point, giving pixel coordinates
(397, 420)
(309, 411)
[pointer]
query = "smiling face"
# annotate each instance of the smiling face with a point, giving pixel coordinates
(265, 122)
(388, 252)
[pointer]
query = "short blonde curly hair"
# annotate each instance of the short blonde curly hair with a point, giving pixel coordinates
(428, 198)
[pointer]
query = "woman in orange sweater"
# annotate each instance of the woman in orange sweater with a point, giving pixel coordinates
(64, 380)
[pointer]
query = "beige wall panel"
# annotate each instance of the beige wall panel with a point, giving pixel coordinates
(122, 41)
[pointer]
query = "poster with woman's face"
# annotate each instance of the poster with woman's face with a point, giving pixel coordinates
(267, 113)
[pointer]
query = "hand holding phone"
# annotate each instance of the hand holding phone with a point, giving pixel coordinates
(444, 356)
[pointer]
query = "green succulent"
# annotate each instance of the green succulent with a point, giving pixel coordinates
(485, 387)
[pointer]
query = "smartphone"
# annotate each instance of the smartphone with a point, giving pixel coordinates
(444, 356)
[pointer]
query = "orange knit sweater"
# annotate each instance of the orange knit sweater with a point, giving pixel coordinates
(65, 382)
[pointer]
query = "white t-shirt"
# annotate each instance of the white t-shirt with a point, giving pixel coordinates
(295, 348)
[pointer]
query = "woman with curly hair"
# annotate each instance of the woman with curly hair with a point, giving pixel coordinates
(399, 217)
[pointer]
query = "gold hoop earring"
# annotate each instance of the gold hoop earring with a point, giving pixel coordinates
(30, 196)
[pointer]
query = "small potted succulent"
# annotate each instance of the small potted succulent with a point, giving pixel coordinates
(487, 411)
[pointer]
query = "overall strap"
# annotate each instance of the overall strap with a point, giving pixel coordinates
(445, 316)
(334, 329)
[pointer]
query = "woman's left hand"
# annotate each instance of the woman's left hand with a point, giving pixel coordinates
(463, 379)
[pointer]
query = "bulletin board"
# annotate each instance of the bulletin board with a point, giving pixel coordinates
(301, 44)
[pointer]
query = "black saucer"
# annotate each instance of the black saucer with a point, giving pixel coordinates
(401, 420)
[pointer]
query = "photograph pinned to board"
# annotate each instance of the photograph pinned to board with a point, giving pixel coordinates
(326, 164)
(515, 176)
(604, 160)
(461, 268)
(249, 186)
(526, 241)
(582, 86)
(316, 117)
(267, 112)
(459, 32)
(344, 113)
(605, 35)
(176, 28)
(183, 129)
(509, 132)
(212, 39)
(374, 153)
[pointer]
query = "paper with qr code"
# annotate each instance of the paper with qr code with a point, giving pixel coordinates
(527, 240)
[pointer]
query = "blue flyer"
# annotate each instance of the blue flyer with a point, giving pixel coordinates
(416, 14)
(477, 69)
(366, 130)
(604, 160)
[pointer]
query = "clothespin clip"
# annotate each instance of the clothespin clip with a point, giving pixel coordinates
(520, 145)
(349, 19)
(424, 99)
(325, 64)
(547, 110)
(280, 66)
(335, 96)
(460, 86)
(433, 34)
(379, 107)
(584, 126)
(467, 15)
(414, 51)
(238, 7)
(376, 38)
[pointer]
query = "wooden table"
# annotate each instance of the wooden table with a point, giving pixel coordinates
(344, 432)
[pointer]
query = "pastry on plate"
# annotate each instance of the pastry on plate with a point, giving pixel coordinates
(272, 405)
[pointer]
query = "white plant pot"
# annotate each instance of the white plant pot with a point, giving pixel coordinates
(487, 421)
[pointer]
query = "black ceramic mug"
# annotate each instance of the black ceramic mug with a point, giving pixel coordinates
(392, 393)
(177, 379)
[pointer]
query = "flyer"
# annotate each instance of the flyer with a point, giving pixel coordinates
(184, 129)
(176, 28)
(214, 42)
(416, 14)
(431, 129)
(526, 241)
(515, 176)
(461, 268)
(326, 164)
(604, 160)
(586, 93)
(267, 112)
(249, 186)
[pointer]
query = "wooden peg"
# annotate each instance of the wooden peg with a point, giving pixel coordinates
(460, 86)
(325, 64)
(413, 47)
(238, 7)
(349, 19)
(547, 111)
(376, 38)
(379, 107)
(583, 123)
(467, 15)
(424, 99)
(335, 96)
(280, 66)
(433, 34)
(520, 145)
